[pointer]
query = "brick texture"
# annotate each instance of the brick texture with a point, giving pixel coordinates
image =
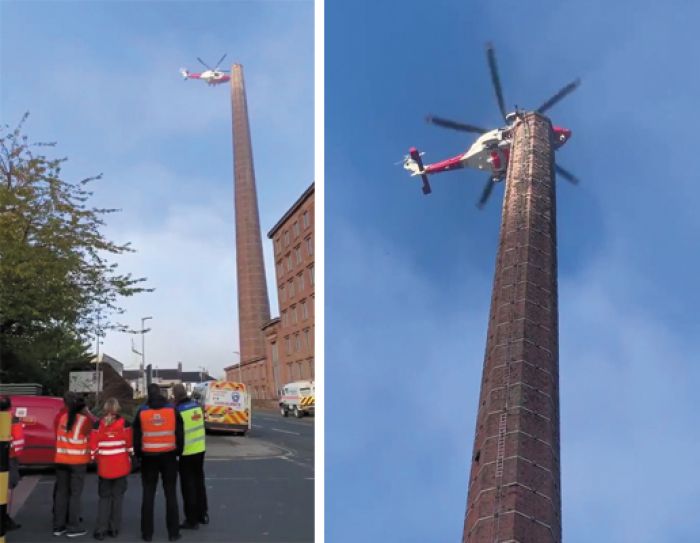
(514, 486)
(253, 302)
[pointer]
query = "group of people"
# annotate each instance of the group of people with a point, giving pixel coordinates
(167, 438)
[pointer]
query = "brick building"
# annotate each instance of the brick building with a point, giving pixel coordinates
(289, 338)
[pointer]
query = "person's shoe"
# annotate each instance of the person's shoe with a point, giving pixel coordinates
(11, 524)
(189, 526)
(113, 533)
(99, 535)
(147, 537)
(76, 533)
(59, 531)
(174, 537)
(204, 519)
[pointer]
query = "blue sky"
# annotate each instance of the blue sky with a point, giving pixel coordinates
(408, 277)
(101, 79)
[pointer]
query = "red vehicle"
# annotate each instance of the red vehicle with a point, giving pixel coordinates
(38, 415)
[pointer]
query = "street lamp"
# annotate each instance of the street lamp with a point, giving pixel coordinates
(240, 376)
(143, 350)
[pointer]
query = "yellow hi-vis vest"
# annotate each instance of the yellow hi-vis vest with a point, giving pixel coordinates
(193, 426)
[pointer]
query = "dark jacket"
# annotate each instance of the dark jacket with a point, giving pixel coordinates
(158, 402)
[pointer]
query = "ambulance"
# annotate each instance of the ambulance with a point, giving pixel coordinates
(226, 406)
(297, 398)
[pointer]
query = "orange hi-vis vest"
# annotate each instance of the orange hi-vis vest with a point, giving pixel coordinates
(158, 430)
(72, 445)
(111, 446)
(17, 445)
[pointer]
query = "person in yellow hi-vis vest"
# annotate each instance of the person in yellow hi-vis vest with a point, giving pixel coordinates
(191, 465)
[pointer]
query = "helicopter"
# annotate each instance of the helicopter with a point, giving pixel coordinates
(491, 150)
(213, 76)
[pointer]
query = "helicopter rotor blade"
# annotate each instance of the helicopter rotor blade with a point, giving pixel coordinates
(204, 63)
(563, 92)
(220, 61)
(463, 127)
(566, 174)
(495, 79)
(488, 188)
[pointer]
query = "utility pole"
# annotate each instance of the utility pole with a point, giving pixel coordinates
(97, 364)
(514, 486)
(143, 351)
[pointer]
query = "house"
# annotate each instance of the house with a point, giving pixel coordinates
(168, 377)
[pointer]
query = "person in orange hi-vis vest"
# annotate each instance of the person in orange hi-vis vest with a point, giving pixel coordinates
(72, 457)
(16, 447)
(158, 441)
(111, 446)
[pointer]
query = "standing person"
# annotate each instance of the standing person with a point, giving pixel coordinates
(191, 465)
(16, 447)
(69, 399)
(158, 440)
(72, 457)
(111, 445)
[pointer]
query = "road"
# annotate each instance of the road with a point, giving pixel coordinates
(260, 489)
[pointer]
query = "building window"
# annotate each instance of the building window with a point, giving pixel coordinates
(297, 254)
(289, 344)
(284, 318)
(291, 288)
(296, 228)
(306, 219)
(283, 293)
(309, 246)
(307, 338)
(297, 342)
(286, 238)
(311, 274)
(301, 282)
(278, 244)
(289, 262)
(304, 311)
(294, 314)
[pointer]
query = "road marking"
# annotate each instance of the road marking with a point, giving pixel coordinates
(23, 491)
(285, 431)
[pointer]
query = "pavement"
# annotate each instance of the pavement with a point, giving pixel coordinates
(260, 488)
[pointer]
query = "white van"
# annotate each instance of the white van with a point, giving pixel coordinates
(297, 398)
(226, 406)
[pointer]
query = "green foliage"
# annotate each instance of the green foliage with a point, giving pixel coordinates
(57, 285)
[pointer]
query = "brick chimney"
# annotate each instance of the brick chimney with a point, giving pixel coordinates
(514, 485)
(253, 302)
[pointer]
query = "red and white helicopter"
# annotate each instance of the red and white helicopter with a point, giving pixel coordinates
(213, 76)
(491, 150)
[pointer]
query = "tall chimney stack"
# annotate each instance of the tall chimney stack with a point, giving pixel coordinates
(514, 486)
(253, 302)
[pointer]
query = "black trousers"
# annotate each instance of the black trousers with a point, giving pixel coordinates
(109, 510)
(151, 466)
(69, 489)
(194, 491)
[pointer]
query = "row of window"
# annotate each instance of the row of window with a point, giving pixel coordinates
(296, 253)
(291, 317)
(306, 221)
(297, 284)
(295, 341)
(303, 369)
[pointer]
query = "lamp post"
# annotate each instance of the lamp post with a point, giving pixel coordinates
(143, 351)
(240, 375)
